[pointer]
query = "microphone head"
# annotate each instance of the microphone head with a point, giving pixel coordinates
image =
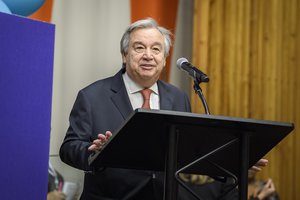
(180, 61)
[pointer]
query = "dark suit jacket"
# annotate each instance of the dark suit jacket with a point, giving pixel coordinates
(100, 107)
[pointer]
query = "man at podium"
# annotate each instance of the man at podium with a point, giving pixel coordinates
(103, 106)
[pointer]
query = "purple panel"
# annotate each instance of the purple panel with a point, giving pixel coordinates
(26, 70)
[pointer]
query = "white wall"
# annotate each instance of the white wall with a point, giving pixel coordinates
(86, 49)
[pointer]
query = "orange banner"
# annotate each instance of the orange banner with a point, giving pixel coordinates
(44, 13)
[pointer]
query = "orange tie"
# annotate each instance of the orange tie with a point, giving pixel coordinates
(146, 95)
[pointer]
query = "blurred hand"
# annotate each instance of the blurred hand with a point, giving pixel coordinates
(267, 190)
(56, 195)
(257, 167)
(100, 142)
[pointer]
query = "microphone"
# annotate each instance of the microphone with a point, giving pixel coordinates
(198, 75)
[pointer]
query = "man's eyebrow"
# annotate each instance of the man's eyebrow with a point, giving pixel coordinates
(137, 42)
(155, 43)
(158, 43)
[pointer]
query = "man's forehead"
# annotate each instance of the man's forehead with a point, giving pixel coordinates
(146, 32)
(146, 35)
(137, 42)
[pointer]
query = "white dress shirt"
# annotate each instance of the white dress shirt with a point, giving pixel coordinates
(136, 98)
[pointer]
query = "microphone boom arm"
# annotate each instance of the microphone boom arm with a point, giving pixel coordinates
(198, 90)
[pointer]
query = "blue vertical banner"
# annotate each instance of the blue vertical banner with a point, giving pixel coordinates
(26, 75)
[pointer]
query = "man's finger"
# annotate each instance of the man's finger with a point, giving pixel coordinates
(92, 147)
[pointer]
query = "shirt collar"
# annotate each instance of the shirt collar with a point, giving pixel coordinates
(133, 87)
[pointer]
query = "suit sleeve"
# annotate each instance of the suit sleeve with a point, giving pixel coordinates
(74, 149)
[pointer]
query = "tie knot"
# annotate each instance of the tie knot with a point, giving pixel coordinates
(146, 93)
(146, 96)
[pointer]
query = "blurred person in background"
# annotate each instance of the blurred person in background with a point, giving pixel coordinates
(260, 189)
(55, 184)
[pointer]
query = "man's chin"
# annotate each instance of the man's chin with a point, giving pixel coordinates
(149, 80)
(147, 74)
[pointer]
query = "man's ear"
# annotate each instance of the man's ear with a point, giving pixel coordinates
(124, 59)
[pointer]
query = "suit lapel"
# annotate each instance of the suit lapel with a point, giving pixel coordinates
(120, 97)
(166, 101)
(121, 100)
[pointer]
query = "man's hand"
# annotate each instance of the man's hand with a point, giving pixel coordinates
(257, 167)
(100, 141)
(267, 190)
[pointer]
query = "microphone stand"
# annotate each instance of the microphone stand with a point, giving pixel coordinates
(198, 90)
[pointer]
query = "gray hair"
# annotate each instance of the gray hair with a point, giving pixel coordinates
(146, 23)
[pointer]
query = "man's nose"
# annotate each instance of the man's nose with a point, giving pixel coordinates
(148, 54)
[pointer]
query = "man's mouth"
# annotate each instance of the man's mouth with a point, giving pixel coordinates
(147, 66)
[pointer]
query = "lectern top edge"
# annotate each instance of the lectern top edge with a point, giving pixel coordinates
(139, 118)
(215, 117)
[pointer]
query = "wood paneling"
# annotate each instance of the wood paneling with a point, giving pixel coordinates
(251, 51)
